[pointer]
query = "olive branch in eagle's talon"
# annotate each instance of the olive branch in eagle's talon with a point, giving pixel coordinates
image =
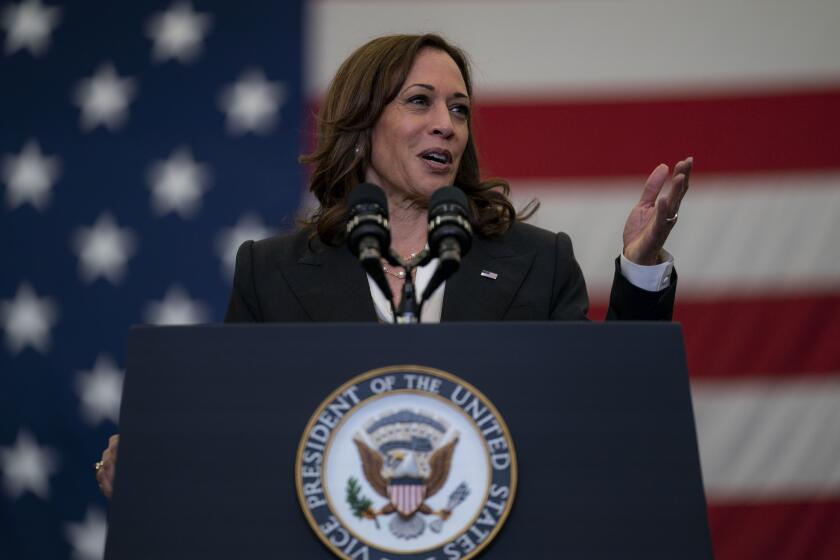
(361, 505)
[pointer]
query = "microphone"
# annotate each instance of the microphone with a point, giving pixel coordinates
(450, 234)
(368, 231)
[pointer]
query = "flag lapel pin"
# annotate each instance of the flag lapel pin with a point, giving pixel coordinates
(488, 274)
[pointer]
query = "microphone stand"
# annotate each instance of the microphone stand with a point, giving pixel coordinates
(408, 311)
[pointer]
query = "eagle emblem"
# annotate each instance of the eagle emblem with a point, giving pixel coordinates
(407, 463)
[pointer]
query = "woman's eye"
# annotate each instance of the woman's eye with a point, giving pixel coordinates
(461, 110)
(418, 100)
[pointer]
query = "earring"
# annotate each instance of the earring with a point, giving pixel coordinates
(358, 150)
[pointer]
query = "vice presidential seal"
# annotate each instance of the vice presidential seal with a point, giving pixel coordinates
(406, 462)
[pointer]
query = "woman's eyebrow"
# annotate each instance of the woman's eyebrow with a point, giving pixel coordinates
(432, 88)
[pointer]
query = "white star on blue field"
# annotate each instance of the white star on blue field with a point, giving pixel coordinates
(141, 144)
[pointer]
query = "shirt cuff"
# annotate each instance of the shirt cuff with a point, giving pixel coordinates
(651, 278)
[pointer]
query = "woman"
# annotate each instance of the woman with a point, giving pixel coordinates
(397, 115)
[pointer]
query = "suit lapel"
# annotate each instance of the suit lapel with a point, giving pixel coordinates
(330, 284)
(469, 296)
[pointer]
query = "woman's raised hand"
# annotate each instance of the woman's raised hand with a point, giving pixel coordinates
(654, 216)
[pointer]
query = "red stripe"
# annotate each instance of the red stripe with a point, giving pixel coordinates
(582, 138)
(776, 531)
(767, 336)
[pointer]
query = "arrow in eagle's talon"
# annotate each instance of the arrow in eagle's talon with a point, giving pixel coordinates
(456, 498)
(437, 524)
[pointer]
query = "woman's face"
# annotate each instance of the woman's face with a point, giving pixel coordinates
(419, 139)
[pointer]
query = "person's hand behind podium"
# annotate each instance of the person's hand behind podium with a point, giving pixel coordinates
(106, 467)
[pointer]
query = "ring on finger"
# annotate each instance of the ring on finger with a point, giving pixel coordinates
(673, 218)
(97, 465)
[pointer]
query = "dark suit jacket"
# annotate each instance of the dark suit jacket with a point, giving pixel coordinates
(290, 278)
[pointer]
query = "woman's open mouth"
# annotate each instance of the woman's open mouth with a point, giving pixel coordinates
(437, 159)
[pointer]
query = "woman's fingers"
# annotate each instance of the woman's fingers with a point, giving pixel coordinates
(105, 476)
(674, 196)
(107, 466)
(675, 191)
(682, 173)
(654, 216)
(654, 184)
(113, 445)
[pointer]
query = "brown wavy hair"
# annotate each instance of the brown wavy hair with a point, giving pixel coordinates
(365, 84)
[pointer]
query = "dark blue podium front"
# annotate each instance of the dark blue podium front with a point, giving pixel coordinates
(600, 415)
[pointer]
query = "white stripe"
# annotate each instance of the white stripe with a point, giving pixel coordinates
(771, 233)
(769, 440)
(537, 47)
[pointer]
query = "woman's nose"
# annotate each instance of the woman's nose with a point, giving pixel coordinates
(441, 124)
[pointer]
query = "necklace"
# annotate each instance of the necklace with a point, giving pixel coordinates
(397, 273)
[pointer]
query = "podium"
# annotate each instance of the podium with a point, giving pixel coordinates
(600, 416)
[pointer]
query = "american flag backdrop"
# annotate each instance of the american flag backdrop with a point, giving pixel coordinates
(141, 141)
(578, 102)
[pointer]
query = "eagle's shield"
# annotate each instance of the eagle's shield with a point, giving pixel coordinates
(407, 494)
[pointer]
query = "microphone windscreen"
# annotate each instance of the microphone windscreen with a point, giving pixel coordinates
(448, 195)
(367, 193)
